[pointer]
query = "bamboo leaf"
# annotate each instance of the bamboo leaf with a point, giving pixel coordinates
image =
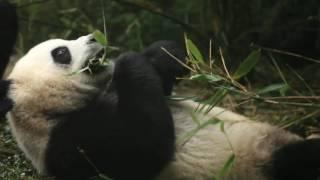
(193, 49)
(284, 90)
(222, 126)
(104, 177)
(181, 98)
(272, 87)
(248, 64)
(227, 167)
(195, 118)
(100, 38)
(186, 137)
(217, 98)
(211, 78)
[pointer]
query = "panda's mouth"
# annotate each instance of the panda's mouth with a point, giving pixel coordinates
(95, 64)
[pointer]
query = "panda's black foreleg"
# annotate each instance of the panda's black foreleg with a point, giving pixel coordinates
(297, 161)
(146, 120)
(6, 103)
(166, 66)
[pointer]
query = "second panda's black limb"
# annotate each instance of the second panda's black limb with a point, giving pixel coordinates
(297, 161)
(8, 32)
(167, 67)
(126, 133)
(6, 104)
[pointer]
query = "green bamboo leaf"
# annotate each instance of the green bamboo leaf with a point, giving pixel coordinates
(211, 78)
(222, 126)
(227, 167)
(104, 177)
(195, 118)
(194, 51)
(248, 64)
(186, 137)
(283, 91)
(272, 88)
(100, 38)
(216, 98)
(181, 98)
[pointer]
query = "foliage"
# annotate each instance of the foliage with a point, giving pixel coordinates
(220, 83)
(131, 23)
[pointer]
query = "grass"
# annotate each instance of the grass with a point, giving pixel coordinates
(13, 164)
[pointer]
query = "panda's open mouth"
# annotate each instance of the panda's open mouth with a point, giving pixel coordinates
(96, 63)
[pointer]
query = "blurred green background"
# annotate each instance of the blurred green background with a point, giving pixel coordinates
(291, 25)
(237, 26)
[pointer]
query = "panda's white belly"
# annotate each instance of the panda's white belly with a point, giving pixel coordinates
(206, 152)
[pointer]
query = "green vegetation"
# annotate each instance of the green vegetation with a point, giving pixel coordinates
(259, 58)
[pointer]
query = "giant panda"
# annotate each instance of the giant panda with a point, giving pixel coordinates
(262, 151)
(112, 121)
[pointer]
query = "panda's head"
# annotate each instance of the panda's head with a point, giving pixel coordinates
(63, 59)
(49, 75)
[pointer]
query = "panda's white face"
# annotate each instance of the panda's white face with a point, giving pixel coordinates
(57, 57)
(47, 71)
(71, 55)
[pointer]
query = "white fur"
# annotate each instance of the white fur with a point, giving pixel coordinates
(203, 156)
(39, 86)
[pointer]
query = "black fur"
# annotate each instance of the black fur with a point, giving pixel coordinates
(126, 133)
(8, 32)
(167, 67)
(4, 88)
(297, 161)
(6, 104)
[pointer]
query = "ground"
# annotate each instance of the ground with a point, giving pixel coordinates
(13, 165)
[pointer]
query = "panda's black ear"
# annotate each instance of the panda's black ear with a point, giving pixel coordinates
(167, 67)
(6, 103)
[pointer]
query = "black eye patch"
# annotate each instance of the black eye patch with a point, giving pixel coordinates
(61, 55)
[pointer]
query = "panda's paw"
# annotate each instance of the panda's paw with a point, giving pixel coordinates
(160, 55)
(6, 103)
